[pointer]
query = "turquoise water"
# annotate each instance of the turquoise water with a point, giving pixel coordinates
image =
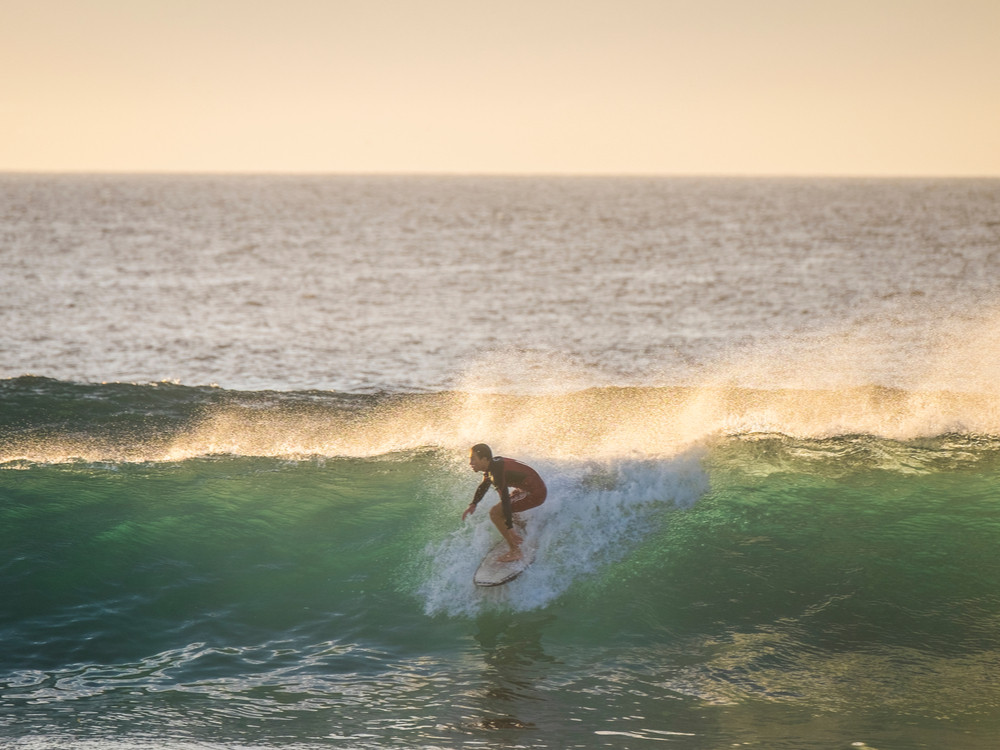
(752, 589)
(235, 415)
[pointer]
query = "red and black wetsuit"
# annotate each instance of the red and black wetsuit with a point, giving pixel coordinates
(505, 473)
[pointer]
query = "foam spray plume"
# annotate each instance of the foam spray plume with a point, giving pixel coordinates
(815, 386)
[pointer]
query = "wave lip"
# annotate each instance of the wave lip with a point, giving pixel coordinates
(49, 421)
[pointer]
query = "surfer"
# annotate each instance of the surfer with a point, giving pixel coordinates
(504, 474)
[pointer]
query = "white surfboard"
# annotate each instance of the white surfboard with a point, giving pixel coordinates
(492, 572)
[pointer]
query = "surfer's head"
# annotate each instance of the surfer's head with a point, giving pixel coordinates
(480, 457)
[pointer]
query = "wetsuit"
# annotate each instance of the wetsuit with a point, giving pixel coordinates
(505, 473)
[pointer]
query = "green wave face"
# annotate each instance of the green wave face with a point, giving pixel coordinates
(304, 572)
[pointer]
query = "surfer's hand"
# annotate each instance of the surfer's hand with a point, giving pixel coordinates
(469, 510)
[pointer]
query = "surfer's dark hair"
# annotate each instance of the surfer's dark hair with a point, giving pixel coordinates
(483, 451)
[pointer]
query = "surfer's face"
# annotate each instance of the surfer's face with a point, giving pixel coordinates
(478, 463)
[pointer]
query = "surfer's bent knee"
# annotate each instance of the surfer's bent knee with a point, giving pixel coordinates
(526, 500)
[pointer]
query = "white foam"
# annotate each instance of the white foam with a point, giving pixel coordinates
(594, 516)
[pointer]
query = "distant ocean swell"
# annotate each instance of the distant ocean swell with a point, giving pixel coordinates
(248, 567)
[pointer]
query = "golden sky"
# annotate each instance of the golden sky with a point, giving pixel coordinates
(800, 87)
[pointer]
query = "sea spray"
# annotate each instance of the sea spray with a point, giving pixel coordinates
(593, 517)
(47, 421)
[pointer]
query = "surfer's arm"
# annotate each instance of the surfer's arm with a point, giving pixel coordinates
(480, 493)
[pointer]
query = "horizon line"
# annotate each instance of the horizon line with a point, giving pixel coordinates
(487, 174)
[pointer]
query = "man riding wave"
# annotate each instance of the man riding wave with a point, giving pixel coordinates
(505, 474)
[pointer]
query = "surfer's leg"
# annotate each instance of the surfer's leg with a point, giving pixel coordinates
(520, 500)
(523, 500)
(512, 538)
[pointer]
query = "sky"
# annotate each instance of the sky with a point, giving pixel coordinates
(739, 87)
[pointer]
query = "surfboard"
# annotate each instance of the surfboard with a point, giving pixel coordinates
(492, 572)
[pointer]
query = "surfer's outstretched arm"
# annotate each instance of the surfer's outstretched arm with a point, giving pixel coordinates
(480, 493)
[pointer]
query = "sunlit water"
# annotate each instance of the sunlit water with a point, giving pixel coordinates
(367, 283)
(234, 422)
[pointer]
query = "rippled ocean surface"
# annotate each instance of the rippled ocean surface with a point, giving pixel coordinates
(234, 422)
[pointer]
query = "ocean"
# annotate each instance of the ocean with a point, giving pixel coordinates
(235, 415)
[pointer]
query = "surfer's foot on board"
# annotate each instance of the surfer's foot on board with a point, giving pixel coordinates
(514, 541)
(513, 556)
